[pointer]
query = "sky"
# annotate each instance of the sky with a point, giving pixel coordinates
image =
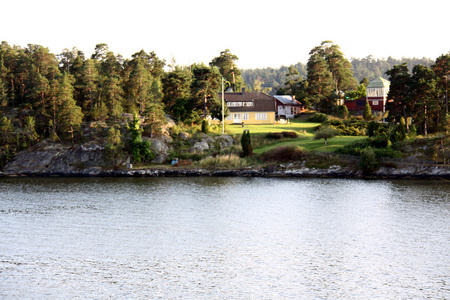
(260, 33)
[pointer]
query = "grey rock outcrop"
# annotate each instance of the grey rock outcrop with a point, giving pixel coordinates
(49, 157)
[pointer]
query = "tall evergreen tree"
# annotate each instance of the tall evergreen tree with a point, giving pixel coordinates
(205, 85)
(226, 63)
(399, 92)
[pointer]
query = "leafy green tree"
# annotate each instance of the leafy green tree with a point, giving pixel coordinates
(226, 63)
(184, 110)
(89, 86)
(326, 133)
(205, 126)
(367, 113)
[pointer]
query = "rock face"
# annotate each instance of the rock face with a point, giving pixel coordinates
(206, 142)
(49, 157)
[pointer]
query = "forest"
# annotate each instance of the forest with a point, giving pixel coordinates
(43, 95)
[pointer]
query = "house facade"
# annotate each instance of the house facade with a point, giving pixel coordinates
(377, 92)
(250, 108)
(286, 106)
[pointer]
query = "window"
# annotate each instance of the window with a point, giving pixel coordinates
(233, 104)
(245, 116)
(248, 103)
(228, 118)
(261, 116)
(374, 102)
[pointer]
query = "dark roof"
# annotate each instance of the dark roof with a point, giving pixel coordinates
(261, 101)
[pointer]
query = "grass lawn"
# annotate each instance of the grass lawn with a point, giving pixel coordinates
(314, 145)
(298, 126)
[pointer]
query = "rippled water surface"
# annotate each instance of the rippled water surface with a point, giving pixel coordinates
(223, 238)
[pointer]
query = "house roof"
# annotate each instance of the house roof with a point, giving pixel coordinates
(379, 83)
(286, 100)
(261, 101)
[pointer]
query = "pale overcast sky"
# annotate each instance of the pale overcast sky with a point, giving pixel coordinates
(260, 33)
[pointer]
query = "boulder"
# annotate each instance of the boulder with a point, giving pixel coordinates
(224, 141)
(184, 136)
(199, 147)
(161, 150)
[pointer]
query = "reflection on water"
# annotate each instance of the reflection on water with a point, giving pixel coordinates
(224, 238)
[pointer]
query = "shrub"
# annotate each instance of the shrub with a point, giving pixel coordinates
(317, 118)
(284, 154)
(246, 143)
(229, 160)
(274, 135)
(205, 126)
(368, 161)
(290, 134)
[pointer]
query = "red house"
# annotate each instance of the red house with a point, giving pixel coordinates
(377, 91)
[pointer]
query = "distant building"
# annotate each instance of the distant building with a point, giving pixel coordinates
(287, 107)
(250, 108)
(377, 91)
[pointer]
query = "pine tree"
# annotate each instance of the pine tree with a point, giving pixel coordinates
(367, 114)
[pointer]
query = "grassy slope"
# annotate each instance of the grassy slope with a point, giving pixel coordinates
(297, 125)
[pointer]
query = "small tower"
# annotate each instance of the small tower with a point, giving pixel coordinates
(377, 92)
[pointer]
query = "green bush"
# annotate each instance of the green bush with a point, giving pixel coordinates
(205, 126)
(283, 154)
(368, 161)
(246, 143)
(317, 118)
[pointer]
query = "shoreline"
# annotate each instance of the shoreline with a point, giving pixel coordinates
(274, 171)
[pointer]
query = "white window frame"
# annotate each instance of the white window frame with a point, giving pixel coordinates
(261, 116)
(245, 116)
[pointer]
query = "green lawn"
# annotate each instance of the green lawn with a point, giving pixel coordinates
(314, 145)
(298, 126)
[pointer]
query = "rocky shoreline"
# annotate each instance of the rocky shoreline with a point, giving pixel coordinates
(409, 172)
(86, 160)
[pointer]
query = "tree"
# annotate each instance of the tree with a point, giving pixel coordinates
(205, 85)
(442, 70)
(67, 116)
(320, 84)
(326, 133)
(423, 91)
(367, 113)
(226, 63)
(176, 84)
(246, 143)
(112, 96)
(216, 109)
(399, 92)
(139, 149)
(114, 146)
(368, 161)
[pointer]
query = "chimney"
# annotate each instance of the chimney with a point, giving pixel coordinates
(243, 90)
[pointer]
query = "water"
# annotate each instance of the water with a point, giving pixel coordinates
(223, 238)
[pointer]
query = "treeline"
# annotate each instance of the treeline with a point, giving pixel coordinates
(271, 79)
(44, 95)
